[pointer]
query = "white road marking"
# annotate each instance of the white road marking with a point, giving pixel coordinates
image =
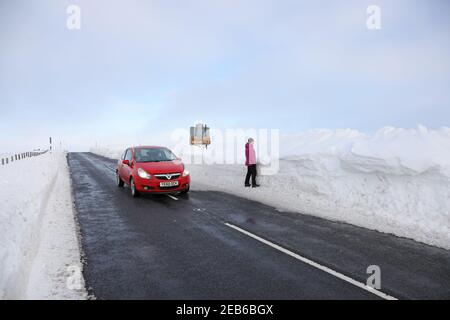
(314, 264)
(170, 196)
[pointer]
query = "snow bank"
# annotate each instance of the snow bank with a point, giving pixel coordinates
(395, 181)
(415, 149)
(111, 151)
(39, 250)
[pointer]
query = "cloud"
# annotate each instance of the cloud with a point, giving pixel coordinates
(286, 64)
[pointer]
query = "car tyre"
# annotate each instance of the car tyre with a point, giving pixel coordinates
(119, 181)
(134, 192)
(185, 191)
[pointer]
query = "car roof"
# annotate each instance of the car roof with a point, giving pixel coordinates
(147, 147)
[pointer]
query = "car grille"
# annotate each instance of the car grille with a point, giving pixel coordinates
(168, 176)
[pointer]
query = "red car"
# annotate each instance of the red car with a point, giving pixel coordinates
(152, 170)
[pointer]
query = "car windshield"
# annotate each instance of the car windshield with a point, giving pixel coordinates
(153, 155)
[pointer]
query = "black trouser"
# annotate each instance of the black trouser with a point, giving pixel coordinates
(251, 171)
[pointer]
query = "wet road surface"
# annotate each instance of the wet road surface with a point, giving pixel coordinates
(205, 246)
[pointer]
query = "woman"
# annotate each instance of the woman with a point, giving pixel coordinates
(250, 162)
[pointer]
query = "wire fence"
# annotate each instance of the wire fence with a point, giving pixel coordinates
(20, 156)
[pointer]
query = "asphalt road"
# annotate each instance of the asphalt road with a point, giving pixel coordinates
(211, 245)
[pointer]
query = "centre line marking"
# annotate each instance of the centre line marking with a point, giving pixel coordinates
(314, 264)
(170, 196)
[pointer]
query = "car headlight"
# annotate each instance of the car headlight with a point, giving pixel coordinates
(144, 174)
(185, 173)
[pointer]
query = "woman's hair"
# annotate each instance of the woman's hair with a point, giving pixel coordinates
(250, 140)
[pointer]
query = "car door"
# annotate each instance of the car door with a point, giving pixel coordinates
(125, 169)
(129, 167)
(120, 164)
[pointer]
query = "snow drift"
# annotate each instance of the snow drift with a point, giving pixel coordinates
(37, 230)
(395, 181)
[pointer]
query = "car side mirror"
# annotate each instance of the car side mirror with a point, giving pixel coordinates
(127, 162)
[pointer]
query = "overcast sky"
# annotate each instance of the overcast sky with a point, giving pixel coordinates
(138, 68)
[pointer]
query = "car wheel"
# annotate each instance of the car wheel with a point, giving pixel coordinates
(185, 191)
(134, 192)
(119, 181)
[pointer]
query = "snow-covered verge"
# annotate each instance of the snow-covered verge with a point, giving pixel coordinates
(39, 252)
(395, 181)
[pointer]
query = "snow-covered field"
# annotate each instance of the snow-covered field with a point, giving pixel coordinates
(39, 252)
(395, 181)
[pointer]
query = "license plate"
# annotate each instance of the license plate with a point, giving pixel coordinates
(168, 184)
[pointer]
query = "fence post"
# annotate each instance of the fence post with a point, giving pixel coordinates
(3, 161)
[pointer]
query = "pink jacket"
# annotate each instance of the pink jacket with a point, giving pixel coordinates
(250, 154)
